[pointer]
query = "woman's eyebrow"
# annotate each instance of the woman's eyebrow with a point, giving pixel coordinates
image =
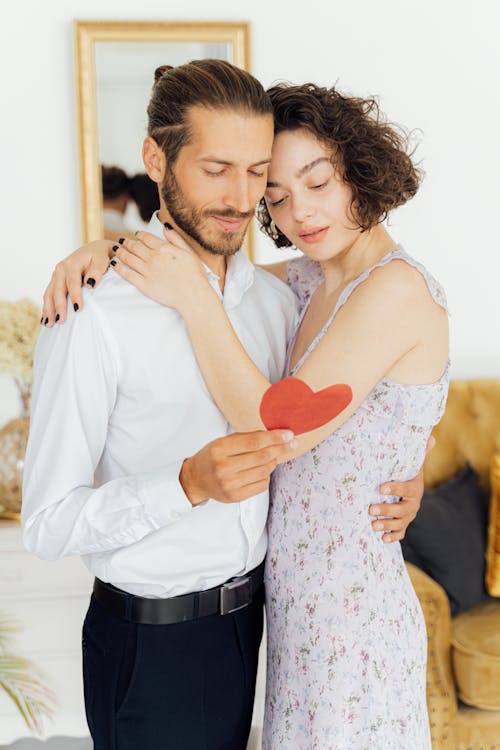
(302, 171)
(308, 167)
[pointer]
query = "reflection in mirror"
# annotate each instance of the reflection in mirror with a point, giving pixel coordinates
(115, 74)
(127, 201)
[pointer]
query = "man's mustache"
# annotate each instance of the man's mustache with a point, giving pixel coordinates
(228, 213)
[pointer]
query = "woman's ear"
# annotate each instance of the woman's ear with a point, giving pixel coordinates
(154, 159)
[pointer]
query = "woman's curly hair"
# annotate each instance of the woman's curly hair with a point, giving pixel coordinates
(371, 155)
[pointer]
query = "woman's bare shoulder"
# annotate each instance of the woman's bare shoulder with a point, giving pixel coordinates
(406, 281)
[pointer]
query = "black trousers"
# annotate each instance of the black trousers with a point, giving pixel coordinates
(188, 686)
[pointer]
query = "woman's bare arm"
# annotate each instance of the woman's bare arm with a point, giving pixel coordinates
(376, 328)
(356, 350)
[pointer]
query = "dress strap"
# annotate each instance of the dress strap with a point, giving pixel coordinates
(436, 290)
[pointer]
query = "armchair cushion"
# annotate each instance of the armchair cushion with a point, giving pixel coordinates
(476, 656)
(447, 540)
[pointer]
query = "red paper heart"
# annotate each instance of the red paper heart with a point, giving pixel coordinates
(290, 404)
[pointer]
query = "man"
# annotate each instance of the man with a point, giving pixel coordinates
(171, 638)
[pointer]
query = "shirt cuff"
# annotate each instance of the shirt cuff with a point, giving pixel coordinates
(162, 494)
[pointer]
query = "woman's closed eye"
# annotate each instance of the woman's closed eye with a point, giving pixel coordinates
(273, 198)
(321, 185)
(317, 186)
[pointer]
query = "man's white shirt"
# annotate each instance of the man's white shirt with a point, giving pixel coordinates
(118, 403)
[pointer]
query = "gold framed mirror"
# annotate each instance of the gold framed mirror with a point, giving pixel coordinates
(115, 64)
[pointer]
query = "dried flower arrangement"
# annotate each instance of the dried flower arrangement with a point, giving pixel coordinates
(19, 327)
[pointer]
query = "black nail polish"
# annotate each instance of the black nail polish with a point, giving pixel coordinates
(114, 262)
(75, 307)
(45, 321)
(91, 282)
(121, 240)
(57, 317)
(115, 248)
(168, 226)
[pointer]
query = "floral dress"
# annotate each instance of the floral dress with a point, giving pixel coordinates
(347, 643)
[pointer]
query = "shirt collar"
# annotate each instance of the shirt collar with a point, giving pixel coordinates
(239, 274)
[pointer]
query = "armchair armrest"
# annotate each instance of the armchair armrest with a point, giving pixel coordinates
(441, 691)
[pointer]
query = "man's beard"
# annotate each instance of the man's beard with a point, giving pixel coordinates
(191, 220)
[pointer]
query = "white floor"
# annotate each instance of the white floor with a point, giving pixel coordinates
(85, 743)
(54, 743)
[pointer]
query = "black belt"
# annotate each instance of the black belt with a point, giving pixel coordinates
(229, 597)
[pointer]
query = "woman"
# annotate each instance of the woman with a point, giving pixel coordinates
(372, 318)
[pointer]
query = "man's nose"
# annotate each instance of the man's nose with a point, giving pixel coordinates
(238, 197)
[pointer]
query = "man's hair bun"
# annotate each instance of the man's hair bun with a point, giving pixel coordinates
(159, 72)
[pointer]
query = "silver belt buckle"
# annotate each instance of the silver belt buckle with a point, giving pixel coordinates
(235, 595)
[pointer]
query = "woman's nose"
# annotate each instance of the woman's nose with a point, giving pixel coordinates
(302, 212)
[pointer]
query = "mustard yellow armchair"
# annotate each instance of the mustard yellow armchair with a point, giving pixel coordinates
(468, 432)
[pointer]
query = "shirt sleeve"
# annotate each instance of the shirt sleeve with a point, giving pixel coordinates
(75, 387)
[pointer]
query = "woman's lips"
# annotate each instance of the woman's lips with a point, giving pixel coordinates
(313, 235)
(228, 225)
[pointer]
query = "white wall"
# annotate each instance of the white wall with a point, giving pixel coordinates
(435, 66)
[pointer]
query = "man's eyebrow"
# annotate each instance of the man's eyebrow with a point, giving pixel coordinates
(302, 171)
(216, 160)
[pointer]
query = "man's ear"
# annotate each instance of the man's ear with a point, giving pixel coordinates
(154, 159)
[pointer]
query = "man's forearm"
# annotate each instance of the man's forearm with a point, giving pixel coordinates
(88, 520)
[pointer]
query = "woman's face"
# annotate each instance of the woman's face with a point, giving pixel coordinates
(306, 197)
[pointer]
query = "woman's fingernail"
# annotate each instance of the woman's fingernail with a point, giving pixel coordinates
(168, 226)
(114, 262)
(294, 444)
(375, 511)
(57, 317)
(75, 307)
(378, 526)
(287, 436)
(386, 491)
(91, 282)
(45, 321)
(115, 248)
(121, 240)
